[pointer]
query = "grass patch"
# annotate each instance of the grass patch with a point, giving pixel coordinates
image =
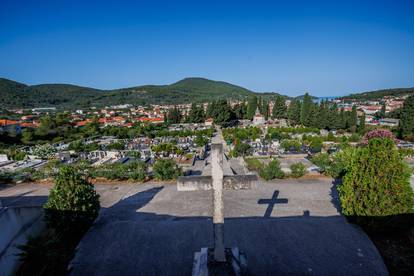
(253, 164)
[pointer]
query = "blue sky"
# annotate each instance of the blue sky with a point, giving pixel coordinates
(326, 48)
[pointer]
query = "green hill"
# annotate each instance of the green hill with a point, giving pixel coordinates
(18, 95)
(378, 94)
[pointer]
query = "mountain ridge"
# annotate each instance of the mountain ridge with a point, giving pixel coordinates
(19, 95)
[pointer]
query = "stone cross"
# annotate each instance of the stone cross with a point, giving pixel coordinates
(216, 182)
(272, 201)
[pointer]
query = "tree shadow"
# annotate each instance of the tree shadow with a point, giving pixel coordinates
(335, 195)
(22, 200)
(126, 240)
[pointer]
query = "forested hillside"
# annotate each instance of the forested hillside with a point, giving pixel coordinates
(378, 94)
(18, 95)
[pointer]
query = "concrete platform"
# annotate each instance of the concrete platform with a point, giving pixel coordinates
(153, 229)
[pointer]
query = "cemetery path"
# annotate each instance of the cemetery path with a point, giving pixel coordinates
(152, 229)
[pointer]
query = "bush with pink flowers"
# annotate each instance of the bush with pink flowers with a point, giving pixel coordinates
(378, 133)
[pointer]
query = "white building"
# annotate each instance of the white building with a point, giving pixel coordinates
(258, 118)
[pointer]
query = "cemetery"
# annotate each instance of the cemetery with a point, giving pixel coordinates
(218, 219)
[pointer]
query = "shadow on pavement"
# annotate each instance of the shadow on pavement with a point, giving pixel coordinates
(125, 241)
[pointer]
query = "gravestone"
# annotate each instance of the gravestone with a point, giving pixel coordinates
(218, 260)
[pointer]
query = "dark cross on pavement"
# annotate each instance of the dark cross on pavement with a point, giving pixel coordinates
(272, 201)
(216, 182)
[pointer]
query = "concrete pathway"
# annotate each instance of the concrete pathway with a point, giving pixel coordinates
(153, 229)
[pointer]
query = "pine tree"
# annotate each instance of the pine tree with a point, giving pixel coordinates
(279, 108)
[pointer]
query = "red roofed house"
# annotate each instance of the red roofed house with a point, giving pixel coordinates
(9, 126)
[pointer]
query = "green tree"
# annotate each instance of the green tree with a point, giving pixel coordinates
(240, 111)
(27, 135)
(353, 119)
(222, 113)
(174, 116)
(377, 183)
(201, 140)
(279, 108)
(251, 107)
(73, 203)
(298, 170)
(196, 114)
(407, 117)
(333, 117)
(305, 113)
(381, 114)
(264, 108)
(166, 169)
(242, 149)
(272, 171)
(323, 120)
(92, 128)
(342, 119)
(46, 127)
(361, 126)
(116, 146)
(294, 111)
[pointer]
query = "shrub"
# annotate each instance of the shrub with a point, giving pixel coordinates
(379, 133)
(340, 162)
(377, 185)
(316, 144)
(322, 161)
(116, 146)
(291, 145)
(45, 151)
(73, 203)
(242, 149)
(298, 170)
(272, 171)
(136, 170)
(253, 164)
(335, 165)
(166, 169)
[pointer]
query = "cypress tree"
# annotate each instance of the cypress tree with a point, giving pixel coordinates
(323, 115)
(294, 111)
(305, 114)
(407, 117)
(361, 127)
(251, 107)
(279, 108)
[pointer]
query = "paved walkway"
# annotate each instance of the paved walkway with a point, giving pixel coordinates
(154, 230)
